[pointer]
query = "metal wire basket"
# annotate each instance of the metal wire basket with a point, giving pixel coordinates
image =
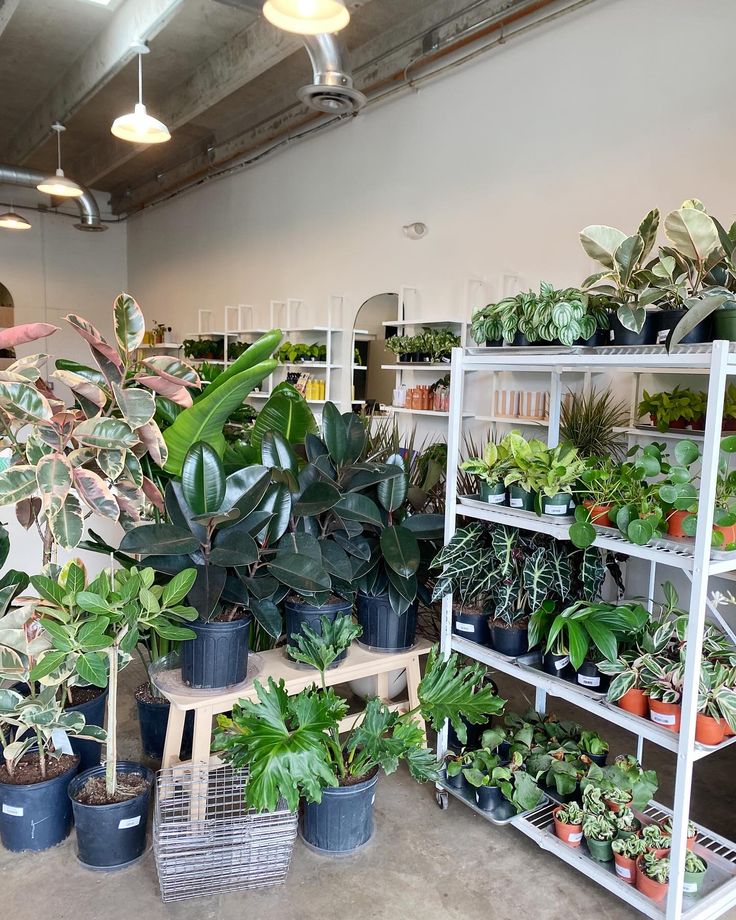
(205, 840)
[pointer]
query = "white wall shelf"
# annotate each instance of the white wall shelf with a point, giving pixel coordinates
(416, 366)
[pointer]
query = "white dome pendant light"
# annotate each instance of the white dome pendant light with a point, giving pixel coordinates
(138, 126)
(10, 220)
(58, 184)
(307, 17)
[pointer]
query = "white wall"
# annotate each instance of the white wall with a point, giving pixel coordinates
(622, 106)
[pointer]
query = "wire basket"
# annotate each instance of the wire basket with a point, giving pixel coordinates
(206, 841)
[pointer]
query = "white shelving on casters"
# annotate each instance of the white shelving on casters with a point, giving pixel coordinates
(716, 362)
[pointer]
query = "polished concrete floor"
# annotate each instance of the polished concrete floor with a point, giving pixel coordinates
(422, 863)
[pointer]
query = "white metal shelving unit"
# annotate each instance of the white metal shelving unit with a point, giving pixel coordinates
(717, 362)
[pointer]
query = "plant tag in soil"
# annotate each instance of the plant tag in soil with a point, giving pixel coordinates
(556, 509)
(562, 663)
(516, 502)
(662, 718)
(61, 741)
(623, 871)
(13, 810)
(129, 822)
(689, 887)
(586, 680)
(465, 627)
(575, 837)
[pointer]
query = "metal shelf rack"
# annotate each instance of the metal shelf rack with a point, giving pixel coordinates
(717, 362)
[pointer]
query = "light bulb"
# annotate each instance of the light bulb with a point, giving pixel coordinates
(139, 127)
(307, 17)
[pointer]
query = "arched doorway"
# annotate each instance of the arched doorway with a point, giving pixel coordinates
(375, 385)
(7, 319)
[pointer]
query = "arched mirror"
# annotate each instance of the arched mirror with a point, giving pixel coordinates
(373, 385)
(7, 319)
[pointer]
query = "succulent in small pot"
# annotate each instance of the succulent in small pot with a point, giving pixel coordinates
(626, 851)
(667, 826)
(599, 832)
(617, 799)
(663, 681)
(627, 824)
(656, 840)
(653, 875)
(716, 703)
(695, 869)
(625, 773)
(569, 823)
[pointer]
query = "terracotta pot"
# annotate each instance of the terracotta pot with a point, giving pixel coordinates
(654, 890)
(679, 424)
(690, 840)
(625, 868)
(571, 834)
(665, 714)
(674, 523)
(598, 513)
(698, 424)
(636, 702)
(708, 730)
(660, 852)
(613, 806)
(729, 534)
(727, 731)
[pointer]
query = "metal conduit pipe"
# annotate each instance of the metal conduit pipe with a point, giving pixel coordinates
(331, 89)
(89, 212)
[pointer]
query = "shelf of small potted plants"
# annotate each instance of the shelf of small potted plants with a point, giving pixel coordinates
(430, 346)
(675, 410)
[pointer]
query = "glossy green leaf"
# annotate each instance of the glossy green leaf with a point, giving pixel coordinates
(92, 668)
(137, 405)
(357, 507)
(692, 232)
(159, 539)
(130, 326)
(334, 432)
(203, 479)
(400, 550)
(66, 523)
(287, 412)
(392, 492)
(106, 433)
(302, 574)
(316, 498)
(17, 483)
(178, 588)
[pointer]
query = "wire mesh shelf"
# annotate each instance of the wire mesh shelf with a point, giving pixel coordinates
(206, 841)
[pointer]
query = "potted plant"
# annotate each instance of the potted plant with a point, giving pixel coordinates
(627, 824)
(626, 851)
(594, 747)
(663, 681)
(491, 469)
(467, 572)
(624, 773)
(637, 513)
(526, 470)
(558, 473)
(306, 757)
(656, 840)
(677, 490)
(568, 821)
(624, 279)
(454, 766)
(114, 797)
(617, 799)
(599, 832)
(653, 875)
(599, 485)
(485, 774)
(674, 410)
(667, 826)
(695, 869)
(729, 408)
(590, 421)
(506, 781)
(716, 703)
(328, 646)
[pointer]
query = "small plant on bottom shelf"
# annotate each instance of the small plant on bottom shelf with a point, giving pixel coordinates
(571, 813)
(624, 773)
(592, 743)
(593, 803)
(631, 847)
(695, 863)
(667, 827)
(657, 868)
(467, 565)
(717, 693)
(625, 820)
(655, 838)
(598, 827)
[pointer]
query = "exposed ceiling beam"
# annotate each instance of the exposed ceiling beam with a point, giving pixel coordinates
(375, 65)
(134, 20)
(250, 53)
(7, 8)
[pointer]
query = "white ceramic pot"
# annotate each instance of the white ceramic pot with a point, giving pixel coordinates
(365, 687)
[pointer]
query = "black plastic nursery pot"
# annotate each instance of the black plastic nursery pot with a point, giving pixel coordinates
(724, 325)
(521, 499)
(600, 338)
(382, 628)
(493, 493)
(38, 815)
(111, 836)
(472, 626)
(666, 321)
(488, 797)
(590, 677)
(600, 760)
(557, 665)
(153, 719)
(620, 335)
(455, 782)
(511, 641)
(343, 821)
(297, 615)
(89, 752)
(218, 656)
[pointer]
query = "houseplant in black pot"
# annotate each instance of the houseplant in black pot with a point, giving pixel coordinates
(306, 757)
(110, 802)
(496, 783)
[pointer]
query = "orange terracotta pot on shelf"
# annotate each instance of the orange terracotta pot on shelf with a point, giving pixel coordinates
(598, 513)
(674, 523)
(571, 834)
(635, 701)
(654, 890)
(708, 730)
(728, 732)
(625, 868)
(729, 534)
(665, 714)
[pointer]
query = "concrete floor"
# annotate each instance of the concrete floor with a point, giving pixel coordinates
(422, 862)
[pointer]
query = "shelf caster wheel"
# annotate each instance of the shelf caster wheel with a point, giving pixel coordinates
(443, 800)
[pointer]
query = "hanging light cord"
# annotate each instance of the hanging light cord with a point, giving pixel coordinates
(58, 149)
(140, 79)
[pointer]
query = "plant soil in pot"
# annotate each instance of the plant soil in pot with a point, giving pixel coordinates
(598, 513)
(36, 812)
(473, 625)
(494, 494)
(343, 821)
(153, 719)
(591, 678)
(635, 701)
(91, 702)
(298, 614)
(509, 640)
(111, 833)
(665, 714)
(383, 628)
(571, 834)
(218, 656)
(708, 730)
(557, 665)
(521, 499)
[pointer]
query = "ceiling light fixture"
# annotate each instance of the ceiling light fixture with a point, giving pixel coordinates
(58, 184)
(307, 17)
(138, 126)
(12, 221)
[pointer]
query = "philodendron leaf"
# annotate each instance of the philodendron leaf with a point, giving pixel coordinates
(400, 550)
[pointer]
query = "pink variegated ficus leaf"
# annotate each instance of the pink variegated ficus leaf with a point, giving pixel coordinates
(173, 391)
(25, 333)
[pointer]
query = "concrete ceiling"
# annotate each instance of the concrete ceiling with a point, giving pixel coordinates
(221, 77)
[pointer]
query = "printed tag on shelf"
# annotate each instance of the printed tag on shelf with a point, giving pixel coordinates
(689, 887)
(465, 627)
(516, 502)
(662, 718)
(124, 823)
(496, 499)
(562, 663)
(576, 837)
(662, 336)
(13, 810)
(623, 871)
(556, 509)
(589, 681)
(61, 741)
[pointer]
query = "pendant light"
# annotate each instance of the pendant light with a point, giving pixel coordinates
(138, 126)
(307, 17)
(10, 220)
(58, 184)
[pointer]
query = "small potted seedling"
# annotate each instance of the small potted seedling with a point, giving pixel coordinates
(653, 875)
(617, 798)
(695, 869)
(599, 832)
(483, 774)
(490, 470)
(656, 840)
(594, 747)
(454, 764)
(626, 851)
(627, 824)
(663, 680)
(569, 823)
(692, 831)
